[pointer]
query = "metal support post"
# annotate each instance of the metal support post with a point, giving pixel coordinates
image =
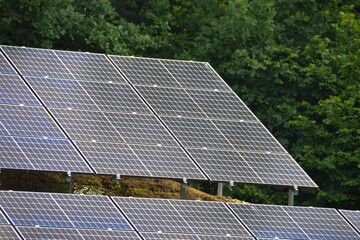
(183, 186)
(292, 192)
(231, 184)
(220, 187)
(117, 178)
(69, 180)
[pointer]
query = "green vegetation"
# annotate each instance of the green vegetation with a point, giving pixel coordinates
(295, 63)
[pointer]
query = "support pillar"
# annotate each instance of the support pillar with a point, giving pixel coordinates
(183, 186)
(220, 187)
(293, 191)
(69, 180)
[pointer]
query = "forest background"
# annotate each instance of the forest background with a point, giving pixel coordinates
(296, 64)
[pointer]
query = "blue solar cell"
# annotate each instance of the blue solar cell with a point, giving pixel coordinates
(5, 67)
(40, 154)
(13, 90)
(28, 121)
(62, 210)
(3, 219)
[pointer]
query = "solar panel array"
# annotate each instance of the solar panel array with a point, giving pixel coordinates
(206, 116)
(65, 216)
(133, 117)
(288, 222)
(30, 138)
(101, 113)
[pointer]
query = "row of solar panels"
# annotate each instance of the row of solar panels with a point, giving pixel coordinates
(93, 113)
(62, 216)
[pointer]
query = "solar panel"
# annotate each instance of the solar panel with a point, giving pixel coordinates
(196, 103)
(37, 62)
(47, 233)
(40, 154)
(90, 66)
(262, 168)
(226, 166)
(62, 210)
(195, 75)
(178, 236)
(17, 120)
(249, 136)
(139, 160)
(221, 105)
(353, 217)
(95, 105)
(8, 233)
(63, 64)
(321, 223)
(58, 93)
(144, 71)
(113, 127)
(179, 216)
(197, 133)
(5, 67)
(14, 91)
(91, 211)
(171, 102)
(271, 221)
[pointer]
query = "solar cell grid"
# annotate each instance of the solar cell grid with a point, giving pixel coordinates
(197, 133)
(62, 210)
(40, 154)
(249, 136)
(3, 220)
(195, 75)
(226, 166)
(141, 129)
(321, 223)
(171, 102)
(8, 233)
(353, 217)
(5, 67)
(14, 91)
(144, 71)
(221, 105)
(87, 125)
(277, 169)
(91, 211)
(90, 66)
(176, 216)
(32, 209)
(37, 62)
(57, 93)
(268, 221)
(139, 160)
(29, 121)
(178, 236)
(47, 233)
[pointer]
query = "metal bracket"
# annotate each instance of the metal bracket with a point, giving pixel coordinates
(293, 191)
(69, 180)
(231, 184)
(183, 186)
(117, 178)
